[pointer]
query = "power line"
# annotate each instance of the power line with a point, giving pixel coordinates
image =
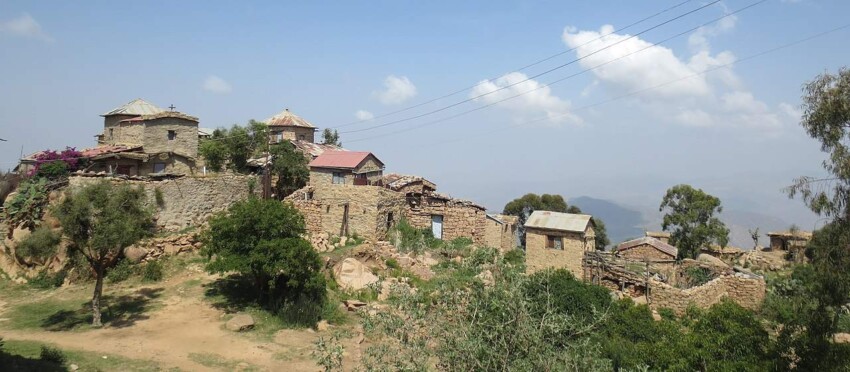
(644, 90)
(519, 69)
(561, 79)
(536, 75)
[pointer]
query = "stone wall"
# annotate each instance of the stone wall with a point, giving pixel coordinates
(293, 133)
(744, 289)
(500, 235)
(368, 209)
(460, 219)
(187, 201)
(538, 257)
(156, 136)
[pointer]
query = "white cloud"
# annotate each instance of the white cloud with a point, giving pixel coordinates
(364, 115)
(715, 99)
(396, 90)
(217, 85)
(793, 112)
(539, 99)
(698, 41)
(25, 26)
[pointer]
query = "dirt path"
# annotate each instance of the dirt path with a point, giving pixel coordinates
(186, 325)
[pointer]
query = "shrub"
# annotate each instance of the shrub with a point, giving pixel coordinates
(565, 294)
(41, 244)
(52, 355)
(53, 170)
(697, 276)
(121, 272)
(27, 206)
(410, 239)
(515, 257)
(152, 272)
(158, 197)
(46, 280)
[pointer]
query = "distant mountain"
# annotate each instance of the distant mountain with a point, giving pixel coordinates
(621, 222)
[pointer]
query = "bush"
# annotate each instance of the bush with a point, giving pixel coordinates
(53, 355)
(121, 272)
(41, 244)
(46, 280)
(560, 290)
(27, 206)
(410, 239)
(152, 272)
(158, 197)
(53, 170)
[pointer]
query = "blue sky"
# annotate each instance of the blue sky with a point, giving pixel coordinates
(733, 131)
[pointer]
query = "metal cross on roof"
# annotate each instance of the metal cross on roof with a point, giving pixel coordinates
(172, 107)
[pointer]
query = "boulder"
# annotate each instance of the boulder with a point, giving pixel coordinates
(353, 275)
(343, 240)
(711, 260)
(240, 322)
(322, 326)
(135, 254)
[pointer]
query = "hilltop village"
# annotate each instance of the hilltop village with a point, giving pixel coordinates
(379, 235)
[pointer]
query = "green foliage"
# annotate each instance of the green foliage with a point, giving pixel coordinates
(45, 280)
(331, 137)
(41, 244)
(121, 272)
(8, 182)
(234, 146)
(689, 215)
(158, 197)
(27, 206)
(101, 220)
(523, 207)
(262, 239)
(328, 353)
(696, 276)
(53, 170)
(52, 354)
(410, 239)
(601, 240)
(152, 272)
(290, 167)
(826, 118)
(252, 186)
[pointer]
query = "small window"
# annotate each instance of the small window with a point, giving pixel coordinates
(338, 178)
(301, 137)
(158, 167)
(111, 132)
(172, 135)
(554, 242)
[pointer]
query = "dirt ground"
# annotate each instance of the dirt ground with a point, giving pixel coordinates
(182, 324)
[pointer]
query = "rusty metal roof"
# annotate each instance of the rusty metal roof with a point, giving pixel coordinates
(653, 242)
(287, 119)
(135, 107)
(342, 159)
(314, 149)
(395, 181)
(558, 221)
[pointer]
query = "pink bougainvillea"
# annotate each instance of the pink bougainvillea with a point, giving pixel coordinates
(69, 155)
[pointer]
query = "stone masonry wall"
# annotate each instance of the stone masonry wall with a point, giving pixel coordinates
(156, 136)
(459, 219)
(187, 201)
(745, 290)
(538, 257)
(645, 252)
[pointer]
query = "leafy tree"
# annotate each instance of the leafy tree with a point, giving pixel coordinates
(601, 239)
(331, 137)
(235, 146)
(690, 216)
(290, 167)
(214, 151)
(261, 239)
(40, 245)
(101, 220)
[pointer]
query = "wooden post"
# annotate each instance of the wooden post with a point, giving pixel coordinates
(343, 231)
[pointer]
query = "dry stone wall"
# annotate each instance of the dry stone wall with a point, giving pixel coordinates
(744, 289)
(186, 201)
(460, 219)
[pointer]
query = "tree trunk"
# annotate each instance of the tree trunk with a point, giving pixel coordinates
(95, 300)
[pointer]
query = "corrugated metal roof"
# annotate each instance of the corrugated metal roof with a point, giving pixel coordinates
(341, 159)
(287, 119)
(137, 106)
(558, 221)
(205, 132)
(653, 242)
(314, 149)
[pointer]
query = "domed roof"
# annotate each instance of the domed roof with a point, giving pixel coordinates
(287, 119)
(135, 107)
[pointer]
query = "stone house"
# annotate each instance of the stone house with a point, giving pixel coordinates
(558, 240)
(660, 256)
(288, 126)
(141, 139)
(789, 240)
(333, 168)
(501, 232)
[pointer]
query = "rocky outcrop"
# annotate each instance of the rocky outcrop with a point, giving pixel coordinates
(152, 249)
(351, 274)
(240, 322)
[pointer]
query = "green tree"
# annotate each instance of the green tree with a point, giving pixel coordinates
(331, 137)
(101, 220)
(235, 146)
(690, 218)
(290, 167)
(261, 239)
(601, 239)
(214, 151)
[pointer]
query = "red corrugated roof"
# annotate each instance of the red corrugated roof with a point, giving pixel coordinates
(341, 159)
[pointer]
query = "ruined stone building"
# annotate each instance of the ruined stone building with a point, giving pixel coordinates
(501, 232)
(660, 256)
(558, 240)
(789, 240)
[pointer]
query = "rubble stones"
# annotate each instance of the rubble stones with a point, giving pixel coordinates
(354, 275)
